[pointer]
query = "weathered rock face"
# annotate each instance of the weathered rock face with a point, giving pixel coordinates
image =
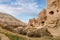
(35, 27)
(42, 14)
(39, 21)
(42, 17)
(32, 22)
(50, 17)
(53, 17)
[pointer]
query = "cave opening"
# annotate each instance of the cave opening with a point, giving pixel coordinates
(51, 12)
(43, 22)
(57, 11)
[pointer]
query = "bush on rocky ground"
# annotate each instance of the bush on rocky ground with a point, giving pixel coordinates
(20, 30)
(39, 33)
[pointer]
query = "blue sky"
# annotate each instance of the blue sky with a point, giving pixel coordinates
(22, 9)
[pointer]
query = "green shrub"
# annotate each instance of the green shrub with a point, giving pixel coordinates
(12, 37)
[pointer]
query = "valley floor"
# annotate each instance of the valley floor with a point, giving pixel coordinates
(7, 35)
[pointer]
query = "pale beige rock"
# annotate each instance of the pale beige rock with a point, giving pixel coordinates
(32, 22)
(53, 17)
(48, 18)
(39, 21)
(42, 17)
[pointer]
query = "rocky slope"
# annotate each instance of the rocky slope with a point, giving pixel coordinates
(9, 22)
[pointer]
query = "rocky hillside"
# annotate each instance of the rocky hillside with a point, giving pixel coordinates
(9, 22)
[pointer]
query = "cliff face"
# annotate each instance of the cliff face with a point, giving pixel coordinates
(36, 27)
(39, 21)
(32, 22)
(42, 17)
(53, 17)
(49, 18)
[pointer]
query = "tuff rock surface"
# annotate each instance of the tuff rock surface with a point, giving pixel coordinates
(48, 18)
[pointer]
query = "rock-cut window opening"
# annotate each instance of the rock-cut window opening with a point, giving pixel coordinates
(31, 25)
(43, 22)
(57, 11)
(51, 12)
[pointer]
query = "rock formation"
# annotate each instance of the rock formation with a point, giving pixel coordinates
(53, 17)
(49, 18)
(32, 22)
(36, 27)
(39, 21)
(42, 17)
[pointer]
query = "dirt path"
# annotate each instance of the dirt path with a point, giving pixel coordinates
(3, 37)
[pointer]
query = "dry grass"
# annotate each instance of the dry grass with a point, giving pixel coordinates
(15, 36)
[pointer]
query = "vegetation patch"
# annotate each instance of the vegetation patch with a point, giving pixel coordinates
(13, 37)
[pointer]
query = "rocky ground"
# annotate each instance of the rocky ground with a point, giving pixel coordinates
(3, 37)
(7, 35)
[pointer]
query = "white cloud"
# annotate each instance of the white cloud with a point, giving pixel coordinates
(21, 7)
(6, 9)
(28, 7)
(5, 0)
